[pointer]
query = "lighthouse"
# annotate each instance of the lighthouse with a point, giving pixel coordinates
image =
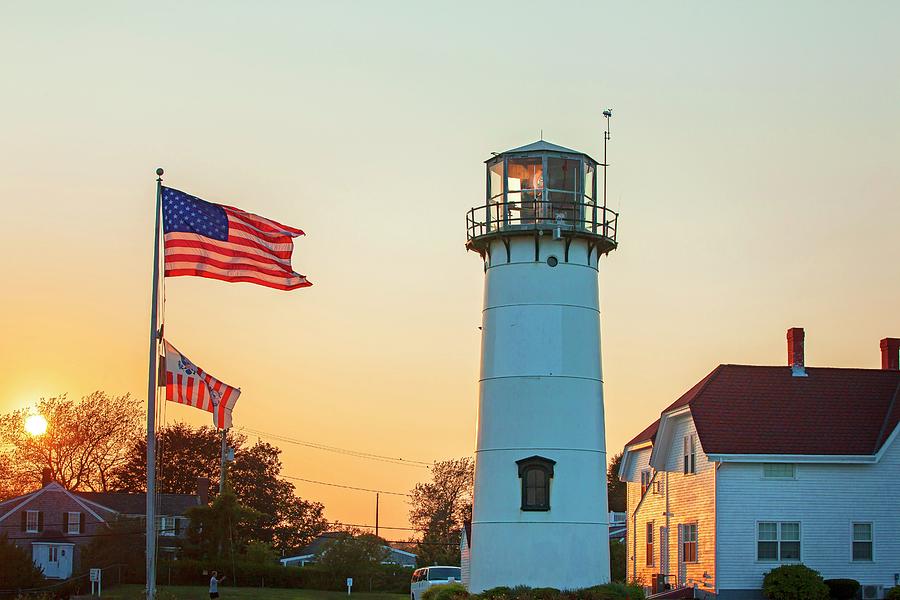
(540, 512)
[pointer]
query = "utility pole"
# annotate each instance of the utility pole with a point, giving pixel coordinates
(222, 467)
(376, 513)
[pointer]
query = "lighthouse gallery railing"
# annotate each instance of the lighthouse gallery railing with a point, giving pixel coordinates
(579, 217)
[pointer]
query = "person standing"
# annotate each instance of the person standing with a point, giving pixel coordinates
(214, 585)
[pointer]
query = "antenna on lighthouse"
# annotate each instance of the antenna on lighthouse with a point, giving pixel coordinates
(608, 114)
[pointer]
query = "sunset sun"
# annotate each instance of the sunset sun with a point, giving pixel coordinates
(36, 425)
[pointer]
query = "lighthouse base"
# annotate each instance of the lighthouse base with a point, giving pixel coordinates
(565, 556)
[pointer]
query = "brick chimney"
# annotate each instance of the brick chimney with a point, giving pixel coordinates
(890, 354)
(46, 476)
(796, 358)
(203, 490)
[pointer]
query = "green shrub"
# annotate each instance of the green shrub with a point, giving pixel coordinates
(16, 567)
(607, 591)
(842, 589)
(448, 591)
(497, 593)
(893, 593)
(618, 560)
(386, 578)
(794, 582)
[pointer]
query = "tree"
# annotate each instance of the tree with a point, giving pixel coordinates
(617, 560)
(185, 453)
(222, 530)
(84, 443)
(440, 507)
(16, 567)
(121, 543)
(615, 488)
(352, 553)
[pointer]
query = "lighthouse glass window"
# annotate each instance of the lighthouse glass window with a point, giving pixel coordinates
(563, 185)
(525, 198)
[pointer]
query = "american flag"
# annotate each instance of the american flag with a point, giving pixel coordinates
(222, 242)
(186, 383)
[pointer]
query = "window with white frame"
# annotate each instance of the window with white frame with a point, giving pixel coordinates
(167, 526)
(32, 521)
(778, 541)
(862, 542)
(646, 476)
(73, 523)
(649, 547)
(690, 454)
(779, 470)
(689, 542)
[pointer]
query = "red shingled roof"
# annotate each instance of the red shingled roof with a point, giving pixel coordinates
(647, 435)
(741, 409)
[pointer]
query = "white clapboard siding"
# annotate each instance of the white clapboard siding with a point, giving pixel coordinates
(825, 499)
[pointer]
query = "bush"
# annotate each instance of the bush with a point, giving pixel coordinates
(794, 582)
(16, 567)
(386, 578)
(842, 589)
(449, 591)
(497, 593)
(893, 593)
(618, 560)
(607, 591)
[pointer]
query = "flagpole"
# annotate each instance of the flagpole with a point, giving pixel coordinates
(151, 403)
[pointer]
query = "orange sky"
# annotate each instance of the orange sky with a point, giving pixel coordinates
(754, 163)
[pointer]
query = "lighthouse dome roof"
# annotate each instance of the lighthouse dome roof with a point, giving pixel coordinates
(543, 146)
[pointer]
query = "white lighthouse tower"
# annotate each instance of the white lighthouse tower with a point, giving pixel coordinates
(540, 515)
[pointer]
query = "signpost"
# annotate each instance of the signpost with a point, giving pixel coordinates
(96, 576)
(349, 584)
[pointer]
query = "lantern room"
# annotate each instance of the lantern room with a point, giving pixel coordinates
(541, 187)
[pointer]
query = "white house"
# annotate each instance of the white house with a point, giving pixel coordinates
(758, 466)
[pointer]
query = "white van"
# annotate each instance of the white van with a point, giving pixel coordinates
(424, 578)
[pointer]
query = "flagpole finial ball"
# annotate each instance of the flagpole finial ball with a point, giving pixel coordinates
(160, 172)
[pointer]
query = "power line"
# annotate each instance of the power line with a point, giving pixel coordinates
(347, 487)
(345, 451)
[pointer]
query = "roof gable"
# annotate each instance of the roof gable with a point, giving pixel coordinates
(50, 488)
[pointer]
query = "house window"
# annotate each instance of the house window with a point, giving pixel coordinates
(32, 521)
(167, 526)
(778, 542)
(690, 454)
(73, 523)
(779, 470)
(646, 476)
(862, 541)
(689, 542)
(536, 473)
(650, 544)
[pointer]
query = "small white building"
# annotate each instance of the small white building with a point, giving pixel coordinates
(758, 466)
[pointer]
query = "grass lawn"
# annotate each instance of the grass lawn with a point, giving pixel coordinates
(134, 592)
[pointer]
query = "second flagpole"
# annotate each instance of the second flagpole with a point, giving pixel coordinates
(151, 402)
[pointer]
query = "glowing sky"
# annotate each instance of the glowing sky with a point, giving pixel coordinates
(754, 158)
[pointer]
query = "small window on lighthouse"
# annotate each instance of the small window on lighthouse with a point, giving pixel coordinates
(536, 473)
